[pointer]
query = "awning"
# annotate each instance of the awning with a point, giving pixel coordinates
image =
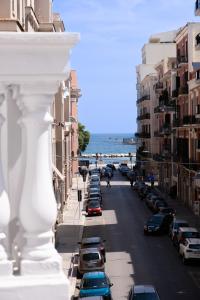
(60, 175)
(196, 66)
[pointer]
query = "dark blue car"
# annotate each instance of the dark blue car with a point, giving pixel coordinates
(95, 284)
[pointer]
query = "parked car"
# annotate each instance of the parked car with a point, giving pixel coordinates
(125, 170)
(175, 225)
(95, 195)
(96, 189)
(189, 249)
(94, 208)
(167, 210)
(185, 233)
(90, 259)
(95, 284)
(159, 203)
(143, 292)
(94, 184)
(158, 223)
(111, 166)
(94, 242)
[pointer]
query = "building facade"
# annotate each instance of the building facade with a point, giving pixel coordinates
(173, 126)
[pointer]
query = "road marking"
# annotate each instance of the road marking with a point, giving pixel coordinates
(196, 277)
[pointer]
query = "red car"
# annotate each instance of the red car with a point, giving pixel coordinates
(94, 208)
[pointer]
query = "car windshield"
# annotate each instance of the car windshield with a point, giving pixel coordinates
(96, 195)
(191, 234)
(94, 283)
(94, 245)
(156, 219)
(93, 205)
(177, 225)
(91, 256)
(194, 246)
(145, 296)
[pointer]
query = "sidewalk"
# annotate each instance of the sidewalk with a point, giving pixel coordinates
(71, 230)
(182, 212)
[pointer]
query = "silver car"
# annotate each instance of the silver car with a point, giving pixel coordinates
(90, 259)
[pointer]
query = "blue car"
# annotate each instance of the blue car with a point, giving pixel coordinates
(95, 284)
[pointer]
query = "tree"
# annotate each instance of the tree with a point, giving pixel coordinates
(83, 137)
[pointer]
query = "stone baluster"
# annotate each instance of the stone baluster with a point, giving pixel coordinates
(38, 205)
(5, 264)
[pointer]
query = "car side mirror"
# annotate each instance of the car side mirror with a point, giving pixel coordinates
(79, 243)
(104, 241)
(111, 284)
(78, 287)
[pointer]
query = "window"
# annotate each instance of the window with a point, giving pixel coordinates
(198, 109)
(197, 74)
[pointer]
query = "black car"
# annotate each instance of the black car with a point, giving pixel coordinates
(158, 224)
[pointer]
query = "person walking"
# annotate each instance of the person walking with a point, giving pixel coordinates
(108, 180)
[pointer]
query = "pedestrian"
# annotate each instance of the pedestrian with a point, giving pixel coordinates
(152, 180)
(131, 181)
(108, 181)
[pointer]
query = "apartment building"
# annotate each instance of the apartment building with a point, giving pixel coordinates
(186, 122)
(160, 46)
(173, 150)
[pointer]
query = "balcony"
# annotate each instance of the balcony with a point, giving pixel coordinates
(165, 156)
(166, 129)
(143, 98)
(182, 59)
(143, 153)
(158, 86)
(175, 93)
(169, 106)
(197, 8)
(145, 116)
(188, 120)
(143, 135)
(183, 90)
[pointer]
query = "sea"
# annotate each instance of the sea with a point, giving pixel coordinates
(108, 143)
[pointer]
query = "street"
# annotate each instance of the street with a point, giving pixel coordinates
(133, 257)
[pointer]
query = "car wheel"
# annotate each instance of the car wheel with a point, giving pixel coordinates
(145, 232)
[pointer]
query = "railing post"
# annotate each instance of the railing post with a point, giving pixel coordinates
(5, 264)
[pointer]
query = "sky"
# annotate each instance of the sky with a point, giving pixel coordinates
(112, 34)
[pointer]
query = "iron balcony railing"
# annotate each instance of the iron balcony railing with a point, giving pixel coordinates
(145, 116)
(143, 98)
(165, 107)
(159, 86)
(183, 90)
(182, 59)
(143, 135)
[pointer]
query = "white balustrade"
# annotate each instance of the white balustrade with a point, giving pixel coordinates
(5, 265)
(35, 63)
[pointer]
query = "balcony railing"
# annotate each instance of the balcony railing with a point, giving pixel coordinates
(143, 98)
(144, 153)
(143, 135)
(143, 117)
(175, 93)
(167, 107)
(159, 86)
(182, 59)
(183, 90)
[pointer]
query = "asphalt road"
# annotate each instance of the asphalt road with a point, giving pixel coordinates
(133, 258)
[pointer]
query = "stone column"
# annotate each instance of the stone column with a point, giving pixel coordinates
(5, 264)
(38, 206)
